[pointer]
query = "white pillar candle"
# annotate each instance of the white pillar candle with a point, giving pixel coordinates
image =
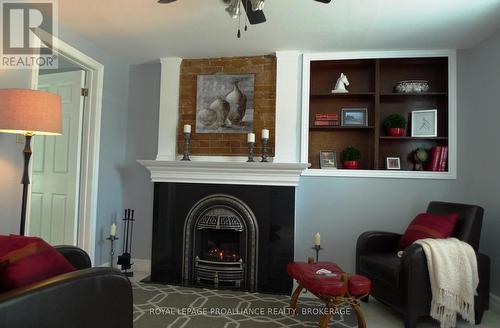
(251, 137)
(317, 239)
(187, 128)
(112, 230)
(265, 134)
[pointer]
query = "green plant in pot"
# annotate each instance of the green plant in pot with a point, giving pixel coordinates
(350, 158)
(395, 125)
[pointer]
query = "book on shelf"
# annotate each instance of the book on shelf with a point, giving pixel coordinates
(327, 117)
(327, 123)
(434, 159)
(443, 159)
(438, 159)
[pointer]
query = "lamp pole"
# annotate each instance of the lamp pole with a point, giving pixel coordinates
(25, 181)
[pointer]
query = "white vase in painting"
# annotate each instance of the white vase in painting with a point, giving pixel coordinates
(238, 105)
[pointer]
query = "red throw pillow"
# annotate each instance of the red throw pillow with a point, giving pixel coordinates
(427, 225)
(29, 260)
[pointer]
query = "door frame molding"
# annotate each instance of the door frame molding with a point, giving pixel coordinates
(91, 136)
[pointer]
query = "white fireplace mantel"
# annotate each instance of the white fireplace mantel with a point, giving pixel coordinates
(239, 173)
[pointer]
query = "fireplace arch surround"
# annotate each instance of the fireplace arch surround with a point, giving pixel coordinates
(221, 212)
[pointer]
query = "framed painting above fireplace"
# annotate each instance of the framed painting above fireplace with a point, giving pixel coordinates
(225, 103)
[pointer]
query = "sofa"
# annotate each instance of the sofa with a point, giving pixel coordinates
(88, 297)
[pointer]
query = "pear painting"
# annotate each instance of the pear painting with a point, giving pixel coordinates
(224, 103)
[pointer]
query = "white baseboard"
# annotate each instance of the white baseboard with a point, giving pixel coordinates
(139, 265)
(495, 303)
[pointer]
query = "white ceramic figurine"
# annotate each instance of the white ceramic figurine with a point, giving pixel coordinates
(342, 82)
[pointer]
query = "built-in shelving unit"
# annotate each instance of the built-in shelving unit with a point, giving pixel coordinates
(372, 77)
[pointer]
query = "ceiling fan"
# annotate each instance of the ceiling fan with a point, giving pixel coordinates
(253, 9)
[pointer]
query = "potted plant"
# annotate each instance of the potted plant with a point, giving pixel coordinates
(350, 158)
(395, 125)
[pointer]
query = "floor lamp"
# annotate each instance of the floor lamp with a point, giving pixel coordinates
(29, 112)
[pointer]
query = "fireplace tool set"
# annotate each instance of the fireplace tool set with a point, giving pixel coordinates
(128, 228)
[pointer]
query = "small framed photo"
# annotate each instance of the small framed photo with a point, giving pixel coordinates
(328, 159)
(354, 117)
(424, 123)
(393, 163)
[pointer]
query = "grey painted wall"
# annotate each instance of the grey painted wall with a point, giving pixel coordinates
(142, 143)
(113, 136)
(340, 209)
(480, 98)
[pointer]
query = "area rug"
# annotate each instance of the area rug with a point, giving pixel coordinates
(168, 306)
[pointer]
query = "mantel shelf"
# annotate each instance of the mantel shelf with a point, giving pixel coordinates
(236, 173)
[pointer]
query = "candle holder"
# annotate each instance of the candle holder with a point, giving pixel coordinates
(112, 251)
(317, 248)
(187, 137)
(251, 146)
(264, 150)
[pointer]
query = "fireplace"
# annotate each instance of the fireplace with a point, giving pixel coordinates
(220, 243)
(223, 236)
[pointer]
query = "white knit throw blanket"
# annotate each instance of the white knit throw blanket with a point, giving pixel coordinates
(453, 273)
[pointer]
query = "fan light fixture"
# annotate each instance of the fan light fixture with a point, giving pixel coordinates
(253, 9)
(234, 9)
(257, 4)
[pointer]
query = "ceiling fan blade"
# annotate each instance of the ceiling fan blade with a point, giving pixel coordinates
(254, 17)
(166, 1)
(324, 1)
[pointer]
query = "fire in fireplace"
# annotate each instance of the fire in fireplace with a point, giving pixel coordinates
(220, 243)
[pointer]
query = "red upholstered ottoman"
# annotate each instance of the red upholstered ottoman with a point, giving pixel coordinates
(335, 290)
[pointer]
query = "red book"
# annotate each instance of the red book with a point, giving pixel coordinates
(327, 117)
(326, 123)
(435, 158)
(443, 159)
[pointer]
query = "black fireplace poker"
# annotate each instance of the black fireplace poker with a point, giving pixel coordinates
(128, 228)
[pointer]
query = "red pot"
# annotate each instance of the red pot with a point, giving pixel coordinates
(396, 132)
(350, 165)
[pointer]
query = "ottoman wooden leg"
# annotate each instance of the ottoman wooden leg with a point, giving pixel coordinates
(325, 320)
(295, 298)
(359, 316)
(327, 316)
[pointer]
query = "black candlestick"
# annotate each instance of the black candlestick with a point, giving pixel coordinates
(251, 146)
(187, 137)
(264, 150)
(317, 248)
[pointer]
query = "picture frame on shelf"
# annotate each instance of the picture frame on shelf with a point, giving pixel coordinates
(354, 117)
(424, 123)
(328, 159)
(393, 163)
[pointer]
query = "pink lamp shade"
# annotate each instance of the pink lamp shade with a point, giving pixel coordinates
(28, 112)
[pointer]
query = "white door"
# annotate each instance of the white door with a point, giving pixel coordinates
(56, 165)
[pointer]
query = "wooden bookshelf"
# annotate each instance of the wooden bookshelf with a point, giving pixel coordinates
(371, 86)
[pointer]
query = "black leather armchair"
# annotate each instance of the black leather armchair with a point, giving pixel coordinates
(88, 297)
(403, 283)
